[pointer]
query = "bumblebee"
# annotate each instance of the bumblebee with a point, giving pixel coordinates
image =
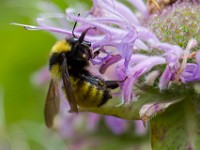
(67, 64)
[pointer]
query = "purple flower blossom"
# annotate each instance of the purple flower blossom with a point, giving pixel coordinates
(119, 32)
(118, 126)
(133, 51)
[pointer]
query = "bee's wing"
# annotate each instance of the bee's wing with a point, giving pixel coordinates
(52, 103)
(68, 87)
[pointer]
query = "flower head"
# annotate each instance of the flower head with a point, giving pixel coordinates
(155, 55)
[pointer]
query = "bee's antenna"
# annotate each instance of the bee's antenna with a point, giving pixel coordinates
(74, 27)
(80, 43)
(81, 38)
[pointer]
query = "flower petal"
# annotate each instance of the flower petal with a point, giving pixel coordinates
(188, 74)
(126, 46)
(140, 129)
(138, 70)
(165, 78)
(113, 59)
(118, 126)
(150, 110)
(92, 121)
(140, 5)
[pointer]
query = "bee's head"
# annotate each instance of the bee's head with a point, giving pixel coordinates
(80, 49)
(74, 50)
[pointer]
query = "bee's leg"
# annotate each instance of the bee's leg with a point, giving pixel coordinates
(101, 82)
(90, 53)
(113, 83)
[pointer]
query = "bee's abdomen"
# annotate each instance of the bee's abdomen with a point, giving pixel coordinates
(88, 95)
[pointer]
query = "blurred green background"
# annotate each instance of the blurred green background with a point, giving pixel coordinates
(21, 103)
(23, 53)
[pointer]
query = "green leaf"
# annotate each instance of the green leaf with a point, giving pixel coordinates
(178, 128)
(128, 111)
(131, 110)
